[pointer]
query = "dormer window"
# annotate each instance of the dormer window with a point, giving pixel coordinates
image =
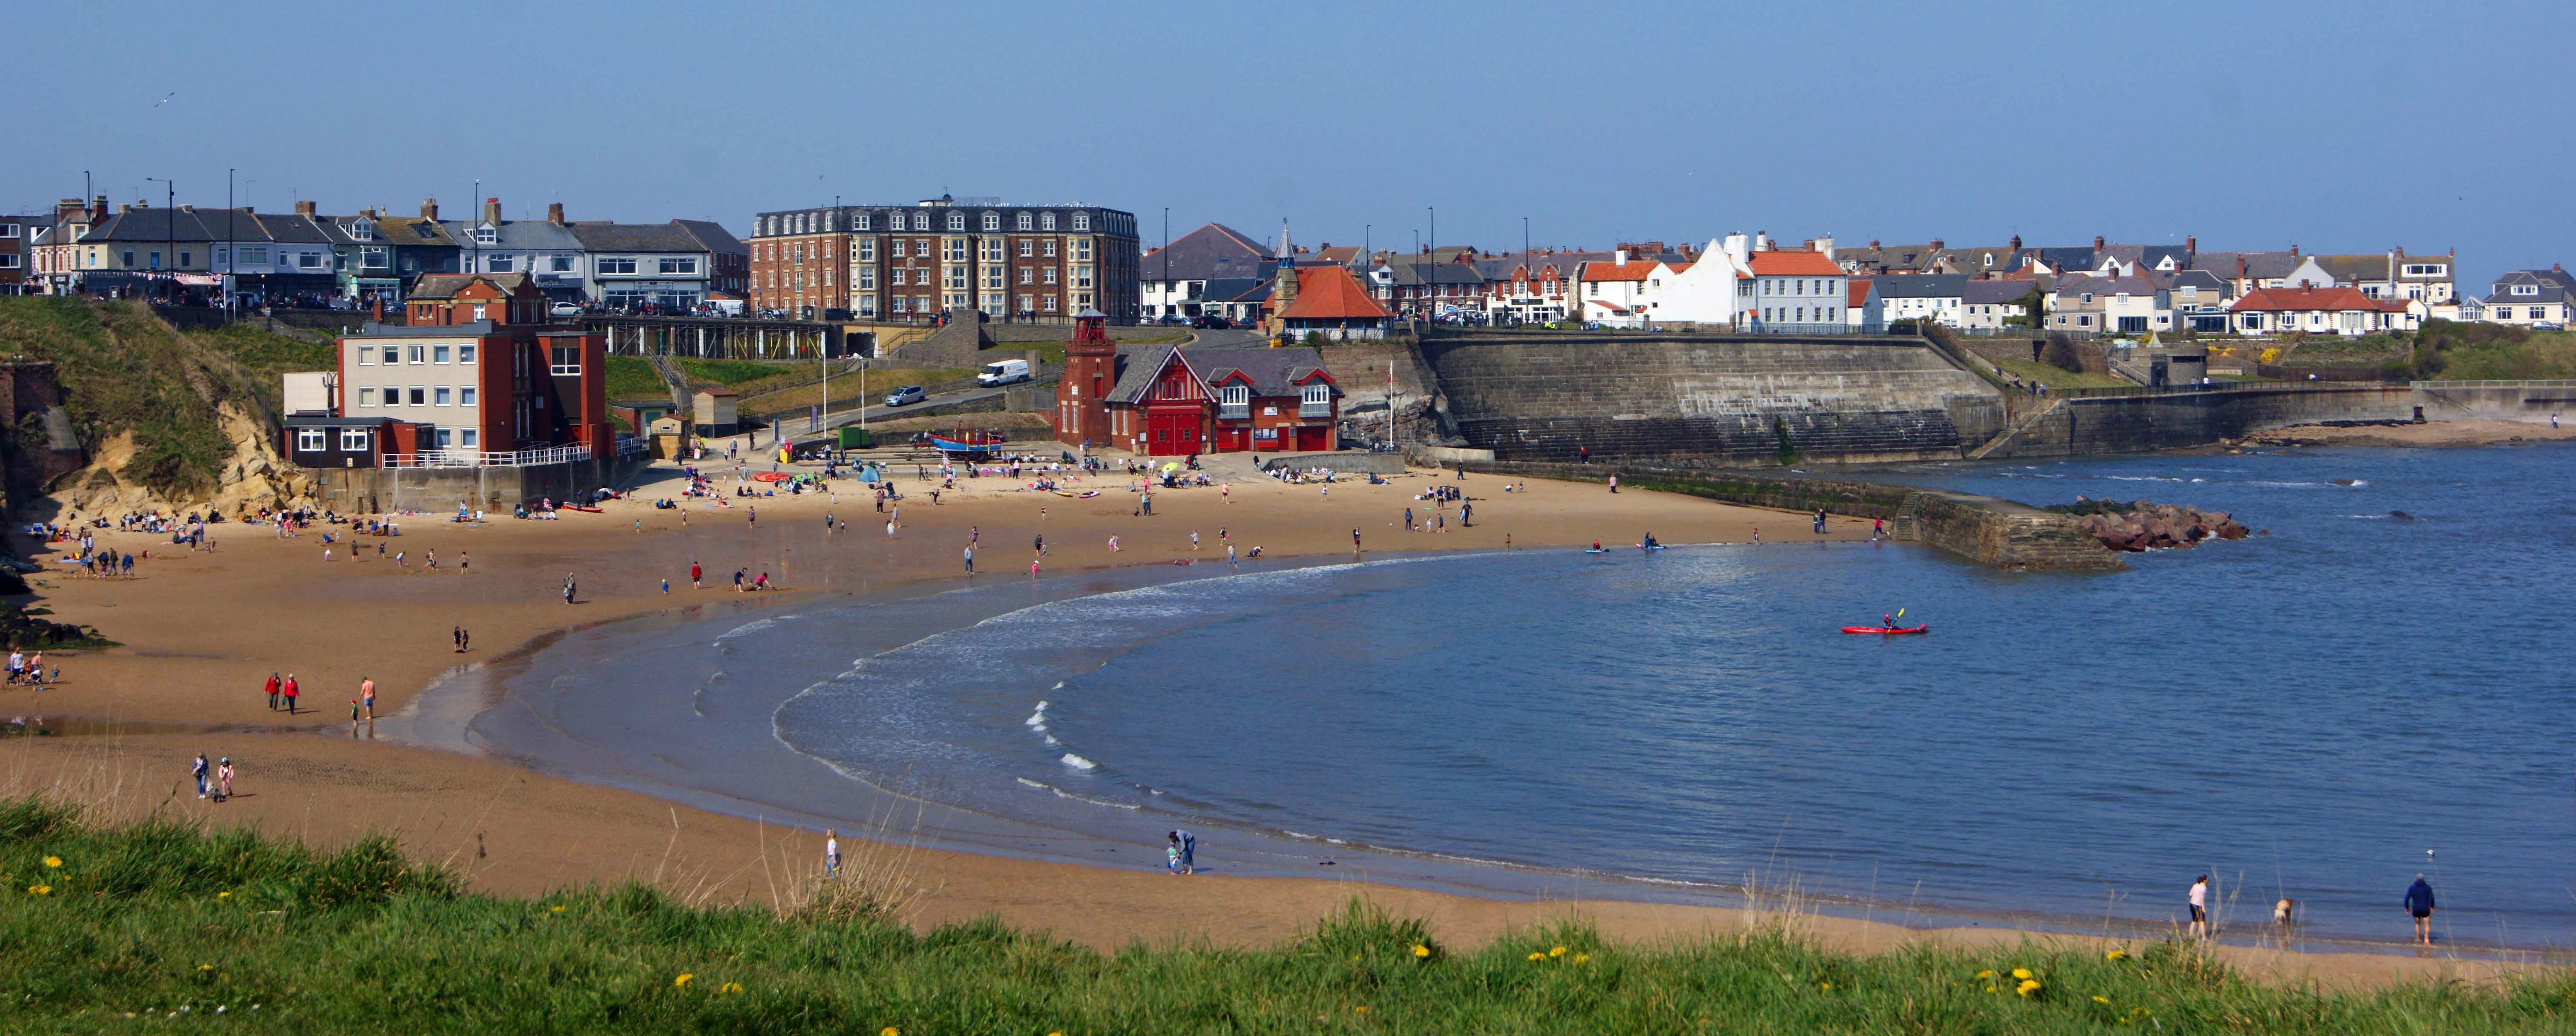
(1082, 221)
(1027, 220)
(362, 229)
(487, 234)
(2526, 289)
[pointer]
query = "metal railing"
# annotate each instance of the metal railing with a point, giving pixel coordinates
(1233, 411)
(452, 458)
(1314, 410)
(1757, 327)
(2537, 383)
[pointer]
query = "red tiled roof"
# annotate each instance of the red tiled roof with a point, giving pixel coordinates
(2313, 298)
(1793, 264)
(1608, 305)
(1857, 292)
(1331, 293)
(1635, 270)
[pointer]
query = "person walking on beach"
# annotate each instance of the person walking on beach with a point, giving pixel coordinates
(697, 576)
(1040, 545)
(1194, 539)
(1189, 853)
(1113, 544)
(831, 853)
(568, 588)
(2419, 904)
(1820, 521)
(970, 559)
(224, 780)
(458, 636)
(1408, 519)
(1614, 483)
(272, 692)
(1355, 539)
(289, 690)
(2200, 907)
(367, 697)
(198, 771)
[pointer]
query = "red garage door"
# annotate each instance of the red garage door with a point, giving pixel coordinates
(1173, 434)
(1314, 439)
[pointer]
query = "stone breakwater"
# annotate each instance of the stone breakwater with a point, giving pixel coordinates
(2141, 525)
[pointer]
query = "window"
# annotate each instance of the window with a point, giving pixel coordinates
(438, 354)
(2519, 289)
(1028, 275)
(992, 221)
(1026, 221)
(862, 223)
(1050, 248)
(1082, 250)
(8, 230)
(366, 397)
(1050, 275)
(1082, 276)
(466, 437)
(867, 278)
(485, 235)
(921, 221)
(1049, 300)
(867, 250)
(1026, 246)
(616, 264)
(310, 440)
(419, 353)
(1046, 221)
(353, 440)
(446, 437)
(442, 395)
(672, 266)
(499, 263)
(1024, 300)
(478, 315)
(1082, 221)
(897, 251)
(566, 360)
(465, 396)
(419, 396)
(559, 263)
(465, 353)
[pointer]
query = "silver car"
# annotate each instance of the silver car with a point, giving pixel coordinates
(904, 395)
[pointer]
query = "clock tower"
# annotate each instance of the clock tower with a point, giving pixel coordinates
(1090, 370)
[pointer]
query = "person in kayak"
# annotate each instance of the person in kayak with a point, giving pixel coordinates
(1886, 621)
(1596, 546)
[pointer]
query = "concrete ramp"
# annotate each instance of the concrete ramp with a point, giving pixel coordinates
(1711, 399)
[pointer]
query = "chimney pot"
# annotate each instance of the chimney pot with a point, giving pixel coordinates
(2016, 242)
(2097, 242)
(429, 209)
(306, 208)
(492, 211)
(554, 213)
(1937, 243)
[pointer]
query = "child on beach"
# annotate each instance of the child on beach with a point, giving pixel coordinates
(224, 780)
(831, 854)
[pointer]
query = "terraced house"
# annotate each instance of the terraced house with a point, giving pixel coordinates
(944, 255)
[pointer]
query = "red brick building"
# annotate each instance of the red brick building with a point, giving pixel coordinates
(1159, 400)
(477, 370)
(1010, 262)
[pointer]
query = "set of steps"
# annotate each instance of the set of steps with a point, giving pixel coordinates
(2028, 421)
(1903, 528)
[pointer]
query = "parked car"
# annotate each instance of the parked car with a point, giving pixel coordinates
(906, 395)
(1213, 322)
(565, 309)
(1172, 320)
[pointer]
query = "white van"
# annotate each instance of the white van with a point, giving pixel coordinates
(1004, 372)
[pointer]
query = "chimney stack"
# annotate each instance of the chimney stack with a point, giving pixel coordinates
(98, 207)
(429, 209)
(2191, 245)
(2016, 242)
(2097, 242)
(306, 208)
(2294, 250)
(1938, 244)
(492, 211)
(554, 213)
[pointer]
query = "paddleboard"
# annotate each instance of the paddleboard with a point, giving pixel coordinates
(1596, 550)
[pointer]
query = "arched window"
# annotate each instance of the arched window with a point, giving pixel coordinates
(956, 221)
(1027, 221)
(992, 221)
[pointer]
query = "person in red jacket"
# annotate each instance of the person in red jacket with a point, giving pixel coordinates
(289, 690)
(272, 692)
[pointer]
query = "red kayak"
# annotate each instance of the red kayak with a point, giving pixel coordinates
(1882, 629)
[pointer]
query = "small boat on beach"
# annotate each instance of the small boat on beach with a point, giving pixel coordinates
(973, 443)
(1889, 630)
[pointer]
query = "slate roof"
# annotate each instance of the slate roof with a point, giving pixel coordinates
(713, 236)
(1138, 365)
(446, 285)
(2258, 265)
(1973, 260)
(1328, 292)
(1921, 285)
(535, 234)
(1875, 259)
(635, 237)
(1270, 372)
(2202, 279)
(1412, 271)
(1236, 289)
(1208, 253)
(1995, 293)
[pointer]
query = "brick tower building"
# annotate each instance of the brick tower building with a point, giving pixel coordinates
(1090, 371)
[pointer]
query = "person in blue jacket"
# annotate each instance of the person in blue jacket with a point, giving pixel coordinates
(2419, 902)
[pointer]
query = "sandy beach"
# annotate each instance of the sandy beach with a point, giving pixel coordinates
(2433, 433)
(202, 631)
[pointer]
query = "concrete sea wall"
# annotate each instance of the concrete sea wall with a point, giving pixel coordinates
(2100, 425)
(1987, 530)
(1709, 399)
(496, 489)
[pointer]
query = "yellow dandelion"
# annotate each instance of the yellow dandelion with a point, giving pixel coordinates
(1990, 989)
(1826, 986)
(2116, 955)
(730, 987)
(2102, 1000)
(558, 908)
(1582, 957)
(1359, 1009)
(223, 895)
(682, 982)
(1988, 973)
(1556, 951)
(205, 967)
(1420, 950)
(40, 890)
(1534, 954)
(889, 1031)
(53, 861)
(2021, 973)
(2027, 987)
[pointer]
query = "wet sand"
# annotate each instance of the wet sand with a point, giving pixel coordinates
(202, 630)
(2431, 433)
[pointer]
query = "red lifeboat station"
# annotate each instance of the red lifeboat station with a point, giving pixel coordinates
(1161, 400)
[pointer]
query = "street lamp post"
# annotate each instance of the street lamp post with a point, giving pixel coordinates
(169, 228)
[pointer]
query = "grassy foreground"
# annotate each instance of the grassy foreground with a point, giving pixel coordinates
(155, 926)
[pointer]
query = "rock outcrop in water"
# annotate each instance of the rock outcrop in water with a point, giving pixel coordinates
(2143, 525)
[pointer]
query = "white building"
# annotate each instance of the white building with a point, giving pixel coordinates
(1936, 297)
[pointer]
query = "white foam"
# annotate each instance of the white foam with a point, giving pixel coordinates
(1079, 763)
(1038, 719)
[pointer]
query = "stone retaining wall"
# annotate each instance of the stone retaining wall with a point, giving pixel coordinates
(2099, 425)
(439, 490)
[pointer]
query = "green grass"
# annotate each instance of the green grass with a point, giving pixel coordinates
(165, 924)
(121, 369)
(2033, 370)
(633, 377)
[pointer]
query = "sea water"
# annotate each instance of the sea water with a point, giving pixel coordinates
(2373, 687)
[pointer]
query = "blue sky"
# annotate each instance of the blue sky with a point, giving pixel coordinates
(2345, 127)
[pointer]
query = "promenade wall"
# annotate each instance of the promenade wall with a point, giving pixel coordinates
(493, 489)
(2495, 400)
(1728, 400)
(2093, 426)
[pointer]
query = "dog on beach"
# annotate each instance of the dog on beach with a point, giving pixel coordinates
(2284, 910)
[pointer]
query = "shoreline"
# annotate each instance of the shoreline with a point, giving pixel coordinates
(2404, 435)
(428, 797)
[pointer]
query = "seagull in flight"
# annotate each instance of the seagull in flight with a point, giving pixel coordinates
(165, 100)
